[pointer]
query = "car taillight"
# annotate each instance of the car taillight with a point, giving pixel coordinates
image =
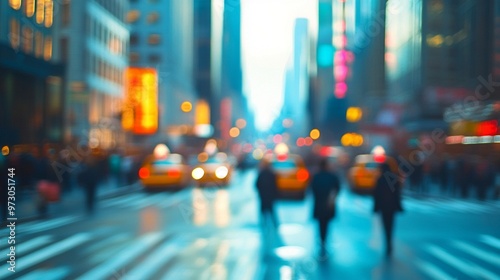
(143, 173)
(302, 175)
(173, 173)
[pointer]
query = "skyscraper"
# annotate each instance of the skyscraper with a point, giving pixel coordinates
(27, 54)
(162, 38)
(94, 44)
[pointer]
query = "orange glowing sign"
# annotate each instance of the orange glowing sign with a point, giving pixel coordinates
(140, 114)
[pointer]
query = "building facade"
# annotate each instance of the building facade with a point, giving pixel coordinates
(162, 38)
(31, 78)
(93, 41)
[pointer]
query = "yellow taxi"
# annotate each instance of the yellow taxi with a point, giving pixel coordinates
(212, 169)
(164, 169)
(364, 173)
(292, 175)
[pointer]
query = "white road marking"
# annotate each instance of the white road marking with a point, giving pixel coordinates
(490, 240)
(123, 201)
(468, 268)
(157, 259)
(433, 271)
(46, 225)
(123, 258)
(48, 274)
(42, 255)
(106, 242)
(486, 256)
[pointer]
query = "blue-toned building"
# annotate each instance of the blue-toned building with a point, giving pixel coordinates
(93, 40)
(162, 38)
(31, 77)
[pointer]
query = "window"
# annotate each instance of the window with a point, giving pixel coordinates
(27, 39)
(38, 44)
(14, 33)
(29, 8)
(134, 57)
(133, 16)
(66, 13)
(47, 48)
(49, 12)
(153, 17)
(154, 58)
(154, 39)
(40, 11)
(15, 4)
(134, 39)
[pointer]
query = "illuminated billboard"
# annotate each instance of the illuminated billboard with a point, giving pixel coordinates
(140, 114)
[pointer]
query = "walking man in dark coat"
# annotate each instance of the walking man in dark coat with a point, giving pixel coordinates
(325, 187)
(89, 178)
(268, 192)
(387, 201)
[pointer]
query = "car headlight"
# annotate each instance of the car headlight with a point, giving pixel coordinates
(221, 172)
(197, 173)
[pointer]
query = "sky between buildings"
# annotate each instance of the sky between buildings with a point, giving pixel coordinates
(267, 44)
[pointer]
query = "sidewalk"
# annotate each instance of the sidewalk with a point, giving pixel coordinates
(71, 201)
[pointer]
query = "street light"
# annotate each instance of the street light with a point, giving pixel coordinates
(314, 134)
(234, 132)
(186, 106)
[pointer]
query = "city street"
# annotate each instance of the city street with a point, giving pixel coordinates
(215, 233)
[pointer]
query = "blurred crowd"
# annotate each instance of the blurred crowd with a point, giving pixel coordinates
(465, 176)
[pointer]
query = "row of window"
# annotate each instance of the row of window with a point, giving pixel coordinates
(153, 39)
(133, 16)
(104, 35)
(136, 58)
(43, 10)
(114, 7)
(105, 70)
(31, 42)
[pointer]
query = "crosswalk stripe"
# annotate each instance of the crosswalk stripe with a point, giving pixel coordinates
(155, 261)
(459, 205)
(111, 240)
(123, 200)
(32, 244)
(468, 268)
(414, 206)
(486, 256)
(48, 224)
(123, 258)
(433, 271)
(490, 240)
(46, 253)
(48, 274)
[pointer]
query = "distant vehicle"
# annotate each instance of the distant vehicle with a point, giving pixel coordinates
(164, 170)
(364, 173)
(213, 169)
(291, 172)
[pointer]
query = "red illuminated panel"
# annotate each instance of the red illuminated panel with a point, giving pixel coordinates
(487, 128)
(141, 98)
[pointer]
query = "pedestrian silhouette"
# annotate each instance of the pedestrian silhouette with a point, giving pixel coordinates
(268, 191)
(89, 179)
(325, 186)
(387, 201)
